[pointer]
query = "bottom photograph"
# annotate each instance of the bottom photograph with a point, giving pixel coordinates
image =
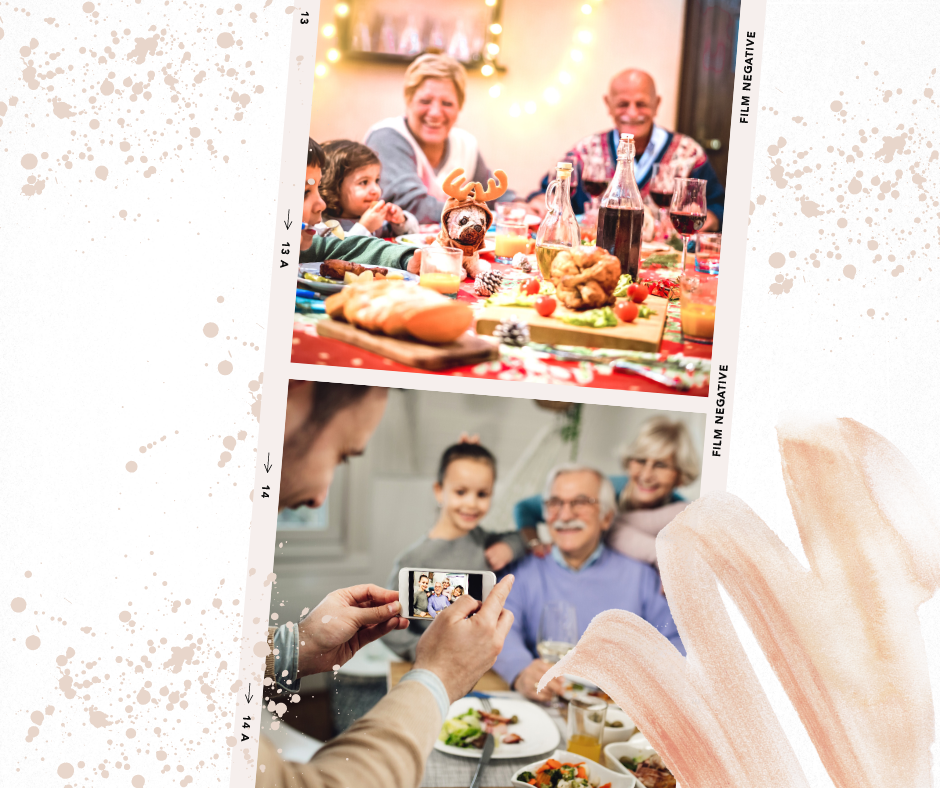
(436, 554)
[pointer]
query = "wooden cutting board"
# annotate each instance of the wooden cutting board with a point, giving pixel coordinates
(643, 334)
(468, 349)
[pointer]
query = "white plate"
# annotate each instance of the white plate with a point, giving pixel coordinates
(572, 691)
(538, 731)
(657, 248)
(328, 288)
(597, 774)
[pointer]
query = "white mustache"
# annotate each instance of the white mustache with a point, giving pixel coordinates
(570, 525)
(632, 121)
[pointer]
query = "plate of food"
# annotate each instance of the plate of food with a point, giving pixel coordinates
(522, 729)
(426, 239)
(331, 276)
(567, 770)
(582, 689)
(642, 763)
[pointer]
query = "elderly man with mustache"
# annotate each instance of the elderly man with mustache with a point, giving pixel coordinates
(632, 102)
(581, 569)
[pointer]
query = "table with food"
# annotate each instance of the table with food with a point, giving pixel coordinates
(607, 299)
(582, 741)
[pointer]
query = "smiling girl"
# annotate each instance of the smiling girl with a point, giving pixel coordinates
(353, 194)
(464, 491)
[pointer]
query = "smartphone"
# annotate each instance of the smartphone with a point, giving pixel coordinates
(424, 593)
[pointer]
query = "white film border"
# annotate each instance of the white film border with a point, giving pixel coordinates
(717, 406)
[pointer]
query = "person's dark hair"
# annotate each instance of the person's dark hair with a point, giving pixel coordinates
(424, 577)
(328, 400)
(464, 451)
(315, 155)
(342, 157)
(456, 589)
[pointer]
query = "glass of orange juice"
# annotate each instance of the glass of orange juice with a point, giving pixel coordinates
(586, 727)
(697, 295)
(441, 269)
(511, 237)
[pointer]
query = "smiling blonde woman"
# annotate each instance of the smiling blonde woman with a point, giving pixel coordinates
(661, 458)
(420, 149)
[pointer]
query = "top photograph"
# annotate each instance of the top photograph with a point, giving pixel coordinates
(501, 193)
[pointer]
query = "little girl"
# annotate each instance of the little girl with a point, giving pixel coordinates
(464, 491)
(352, 193)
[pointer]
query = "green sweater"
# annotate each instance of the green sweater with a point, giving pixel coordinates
(362, 249)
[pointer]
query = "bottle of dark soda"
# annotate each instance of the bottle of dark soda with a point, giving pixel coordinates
(620, 219)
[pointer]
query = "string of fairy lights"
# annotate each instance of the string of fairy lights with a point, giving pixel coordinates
(582, 39)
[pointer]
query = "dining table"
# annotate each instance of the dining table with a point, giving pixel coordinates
(448, 771)
(683, 364)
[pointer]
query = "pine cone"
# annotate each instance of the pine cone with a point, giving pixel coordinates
(512, 331)
(521, 261)
(487, 283)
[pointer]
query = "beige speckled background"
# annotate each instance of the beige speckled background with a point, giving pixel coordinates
(140, 148)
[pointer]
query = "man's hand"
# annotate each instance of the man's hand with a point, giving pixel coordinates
(498, 555)
(374, 216)
(343, 623)
(711, 223)
(459, 649)
(527, 682)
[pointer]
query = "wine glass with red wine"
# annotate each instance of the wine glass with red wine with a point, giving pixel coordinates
(594, 179)
(688, 211)
(662, 185)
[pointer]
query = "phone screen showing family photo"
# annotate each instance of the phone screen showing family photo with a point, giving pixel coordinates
(431, 592)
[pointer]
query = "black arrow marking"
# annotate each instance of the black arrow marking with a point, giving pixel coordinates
(267, 465)
(248, 694)
(288, 222)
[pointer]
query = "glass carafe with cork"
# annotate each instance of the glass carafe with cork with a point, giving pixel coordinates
(559, 229)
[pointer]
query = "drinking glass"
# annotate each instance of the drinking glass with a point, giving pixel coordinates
(594, 180)
(687, 211)
(512, 211)
(697, 295)
(558, 633)
(441, 269)
(511, 237)
(707, 252)
(662, 186)
(586, 721)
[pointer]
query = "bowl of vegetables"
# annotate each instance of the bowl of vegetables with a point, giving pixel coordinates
(567, 770)
(640, 762)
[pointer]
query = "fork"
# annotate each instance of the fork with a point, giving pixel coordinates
(488, 745)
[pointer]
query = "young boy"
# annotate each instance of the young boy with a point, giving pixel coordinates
(315, 247)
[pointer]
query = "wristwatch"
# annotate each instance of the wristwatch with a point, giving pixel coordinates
(269, 659)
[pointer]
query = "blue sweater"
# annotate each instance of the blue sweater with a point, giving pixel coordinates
(612, 582)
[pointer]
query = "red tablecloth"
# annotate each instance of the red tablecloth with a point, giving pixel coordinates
(522, 364)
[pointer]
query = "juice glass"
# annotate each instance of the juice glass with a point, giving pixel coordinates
(586, 728)
(511, 237)
(707, 252)
(697, 295)
(441, 269)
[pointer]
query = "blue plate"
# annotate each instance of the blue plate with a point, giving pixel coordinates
(328, 288)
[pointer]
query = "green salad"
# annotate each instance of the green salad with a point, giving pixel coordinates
(593, 318)
(620, 291)
(462, 730)
(516, 297)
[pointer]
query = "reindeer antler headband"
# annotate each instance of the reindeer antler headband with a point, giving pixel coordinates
(460, 190)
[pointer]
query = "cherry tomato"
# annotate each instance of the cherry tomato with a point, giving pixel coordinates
(639, 293)
(533, 286)
(545, 305)
(626, 310)
(630, 289)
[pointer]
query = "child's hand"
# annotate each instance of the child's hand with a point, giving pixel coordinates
(394, 214)
(373, 217)
(498, 555)
(414, 264)
(467, 438)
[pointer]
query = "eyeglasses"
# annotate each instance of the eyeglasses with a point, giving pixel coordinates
(658, 465)
(578, 505)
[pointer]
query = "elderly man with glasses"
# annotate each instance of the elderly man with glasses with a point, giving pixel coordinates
(579, 504)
